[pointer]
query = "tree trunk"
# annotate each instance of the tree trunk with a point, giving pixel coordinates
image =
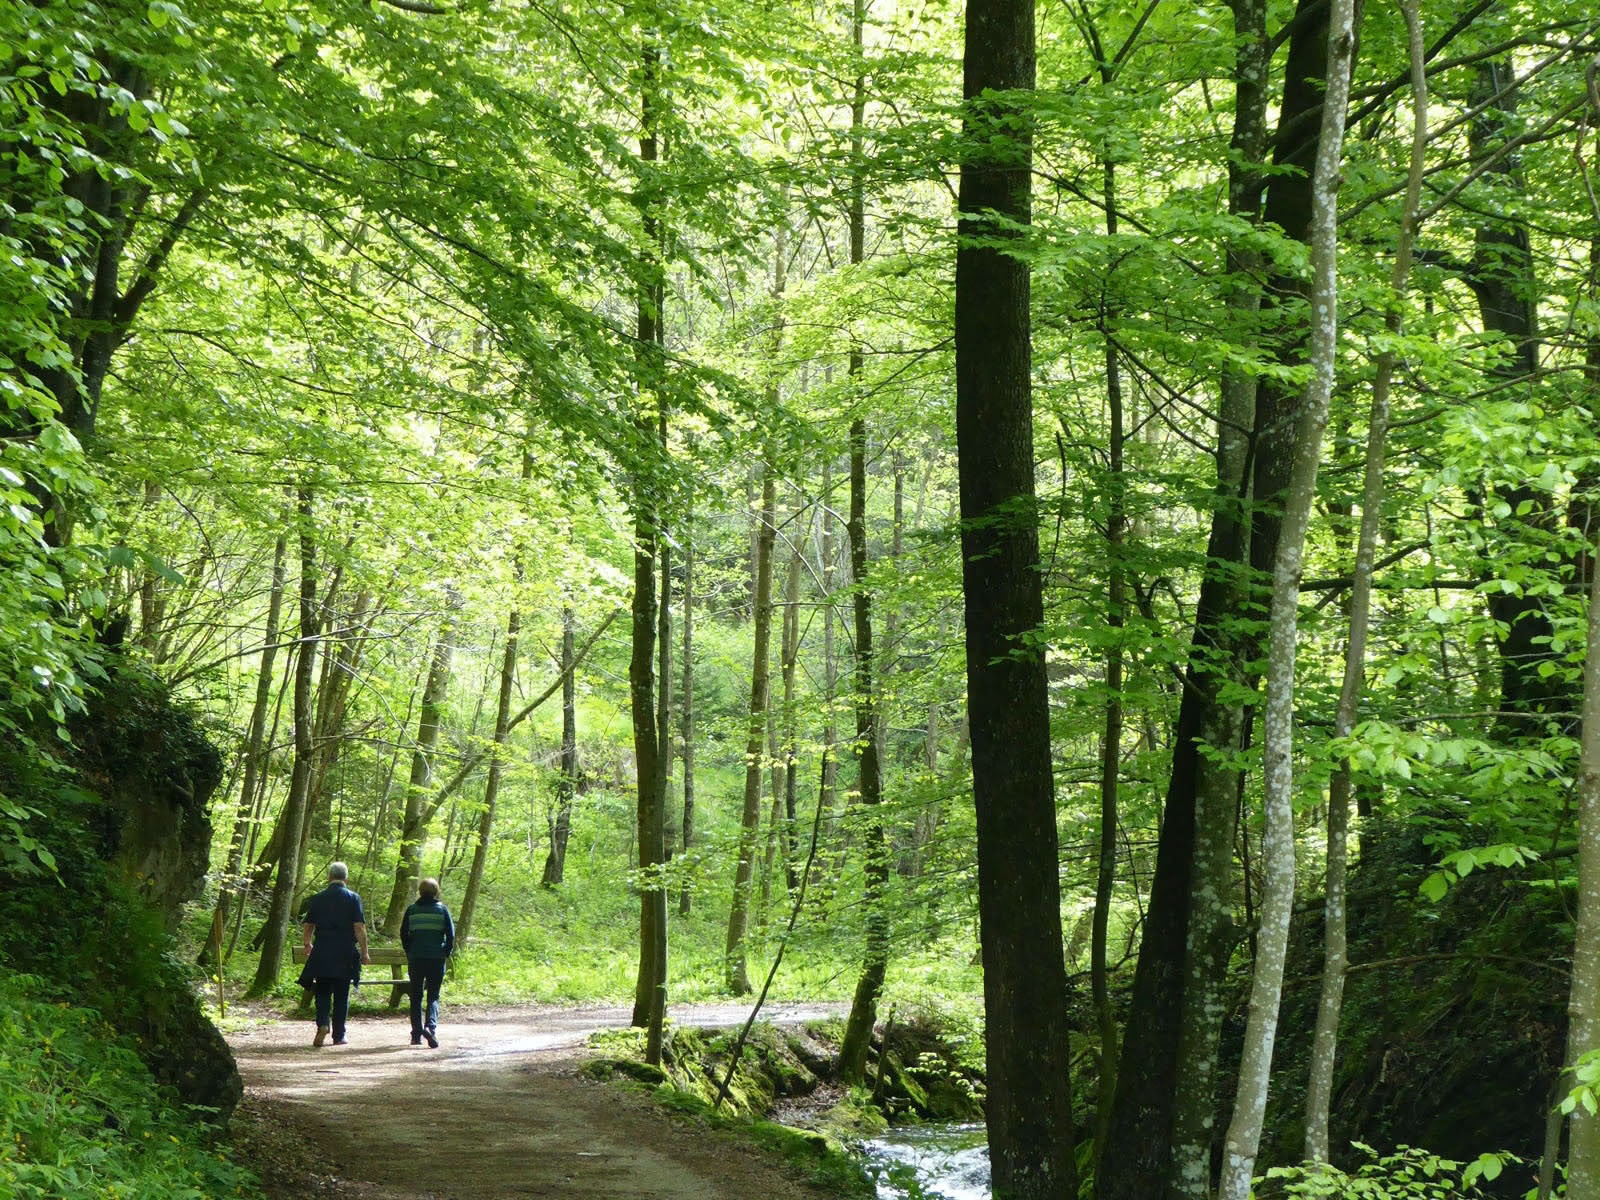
(738, 976)
(254, 760)
(491, 787)
(1029, 1105)
(1583, 1005)
(555, 863)
(1278, 850)
(869, 785)
(414, 824)
(280, 911)
(1503, 279)
(685, 901)
(650, 992)
(790, 657)
(828, 769)
(1325, 1042)
(1160, 1136)
(1111, 733)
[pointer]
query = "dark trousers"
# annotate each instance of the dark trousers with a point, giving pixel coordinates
(333, 994)
(425, 974)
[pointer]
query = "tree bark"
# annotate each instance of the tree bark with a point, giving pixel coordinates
(1029, 1109)
(738, 977)
(1583, 1005)
(685, 901)
(1278, 850)
(491, 787)
(280, 911)
(254, 759)
(1325, 1041)
(649, 1007)
(555, 863)
(414, 822)
(1162, 1124)
(869, 785)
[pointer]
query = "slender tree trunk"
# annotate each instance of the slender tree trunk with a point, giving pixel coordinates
(254, 759)
(414, 824)
(738, 977)
(687, 707)
(491, 787)
(555, 863)
(1319, 1092)
(664, 697)
(280, 912)
(1111, 734)
(1583, 1006)
(1278, 851)
(827, 780)
(790, 658)
(649, 1006)
(864, 1005)
(1029, 1106)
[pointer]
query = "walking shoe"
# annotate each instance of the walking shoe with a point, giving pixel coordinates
(322, 1035)
(416, 1039)
(339, 1041)
(433, 1042)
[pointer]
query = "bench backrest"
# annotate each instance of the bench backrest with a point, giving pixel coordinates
(381, 955)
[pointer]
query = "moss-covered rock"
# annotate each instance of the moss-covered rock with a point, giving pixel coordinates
(127, 797)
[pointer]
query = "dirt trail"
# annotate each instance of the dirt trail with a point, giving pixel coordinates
(498, 1111)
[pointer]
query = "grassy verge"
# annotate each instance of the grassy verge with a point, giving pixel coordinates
(80, 1115)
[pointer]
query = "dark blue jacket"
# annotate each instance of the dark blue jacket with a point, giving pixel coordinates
(427, 932)
(335, 911)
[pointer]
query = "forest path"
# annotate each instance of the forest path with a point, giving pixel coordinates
(497, 1112)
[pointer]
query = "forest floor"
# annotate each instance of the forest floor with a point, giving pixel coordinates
(498, 1111)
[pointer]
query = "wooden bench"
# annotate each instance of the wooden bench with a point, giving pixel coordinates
(391, 956)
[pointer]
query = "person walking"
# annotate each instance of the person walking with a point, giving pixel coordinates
(429, 937)
(334, 935)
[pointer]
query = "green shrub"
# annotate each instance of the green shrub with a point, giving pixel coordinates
(80, 1115)
(1408, 1173)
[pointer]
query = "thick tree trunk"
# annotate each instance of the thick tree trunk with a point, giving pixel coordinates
(281, 910)
(1278, 850)
(738, 976)
(414, 823)
(1161, 1132)
(1029, 1109)
(1503, 278)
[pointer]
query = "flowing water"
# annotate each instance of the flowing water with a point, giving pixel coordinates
(930, 1162)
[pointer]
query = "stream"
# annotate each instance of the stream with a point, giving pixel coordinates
(930, 1162)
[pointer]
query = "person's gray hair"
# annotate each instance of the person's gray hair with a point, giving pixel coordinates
(338, 871)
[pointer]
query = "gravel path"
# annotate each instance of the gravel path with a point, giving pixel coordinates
(497, 1112)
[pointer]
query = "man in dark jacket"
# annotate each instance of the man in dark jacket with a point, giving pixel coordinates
(334, 936)
(429, 936)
